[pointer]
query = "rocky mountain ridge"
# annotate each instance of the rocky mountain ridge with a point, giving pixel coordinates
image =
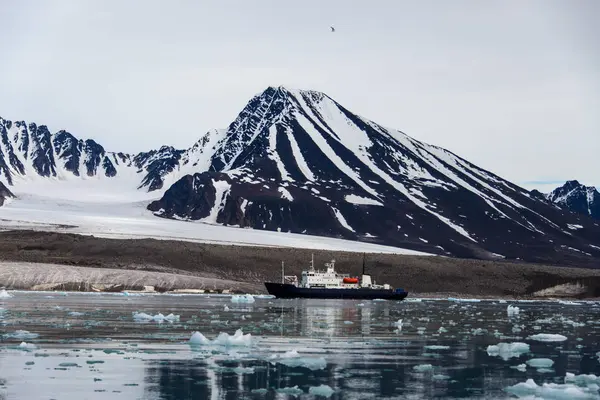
(298, 161)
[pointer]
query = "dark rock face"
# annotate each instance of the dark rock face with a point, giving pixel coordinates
(578, 198)
(4, 194)
(158, 163)
(191, 196)
(297, 161)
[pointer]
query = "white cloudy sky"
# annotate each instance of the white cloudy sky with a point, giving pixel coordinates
(512, 85)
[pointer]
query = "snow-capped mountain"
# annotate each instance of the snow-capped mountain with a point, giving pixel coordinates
(297, 161)
(30, 151)
(578, 198)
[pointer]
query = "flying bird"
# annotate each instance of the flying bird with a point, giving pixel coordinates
(332, 29)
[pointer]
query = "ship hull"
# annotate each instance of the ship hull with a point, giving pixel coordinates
(287, 291)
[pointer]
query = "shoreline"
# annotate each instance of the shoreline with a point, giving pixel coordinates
(30, 258)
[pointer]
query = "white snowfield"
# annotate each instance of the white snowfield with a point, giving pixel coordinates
(68, 207)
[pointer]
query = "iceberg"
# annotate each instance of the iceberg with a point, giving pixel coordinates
(223, 339)
(293, 359)
(512, 311)
(321, 390)
(242, 298)
(548, 337)
(507, 351)
(540, 363)
(158, 317)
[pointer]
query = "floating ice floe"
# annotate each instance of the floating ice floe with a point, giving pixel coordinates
(508, 350)
(464, 300)
(559, 319)
(293, 359)
(321, 390)
(520, 367)
(437, 347)
(158, 317)
(27, 346)
(548, 337)
(21, 335)
(582, 379)
(512, 311)
(423, 367)
(398, 325)
(4, 294)
(478, 331)
(540, 362)
(75, 314)
(575, 387)
(242, 298)
(569, 303)
(223, 339)
(264, 296)
(293, 391)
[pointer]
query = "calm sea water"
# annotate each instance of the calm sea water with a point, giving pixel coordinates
(91, 346)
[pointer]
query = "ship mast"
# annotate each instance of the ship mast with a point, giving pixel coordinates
(282, 273)
(363, 263)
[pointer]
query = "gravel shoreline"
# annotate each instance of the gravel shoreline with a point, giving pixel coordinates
(30, 258)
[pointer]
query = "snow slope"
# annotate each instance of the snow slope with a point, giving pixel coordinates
(119, 219)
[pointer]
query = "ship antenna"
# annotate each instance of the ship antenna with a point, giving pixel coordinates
(363, 263)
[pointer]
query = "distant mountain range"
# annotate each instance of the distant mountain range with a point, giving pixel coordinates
(578, 198)
(297, 161)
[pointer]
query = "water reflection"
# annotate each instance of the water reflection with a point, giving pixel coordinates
(440, 352)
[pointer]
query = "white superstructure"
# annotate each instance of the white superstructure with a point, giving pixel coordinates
(330, 279)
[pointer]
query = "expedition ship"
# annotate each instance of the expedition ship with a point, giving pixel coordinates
(329, 284)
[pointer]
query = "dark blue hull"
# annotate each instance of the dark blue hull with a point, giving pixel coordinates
(287, 291)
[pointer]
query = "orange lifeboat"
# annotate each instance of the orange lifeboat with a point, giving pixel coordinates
(350, 280)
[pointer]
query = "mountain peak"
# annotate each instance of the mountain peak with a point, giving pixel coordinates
(577, 197)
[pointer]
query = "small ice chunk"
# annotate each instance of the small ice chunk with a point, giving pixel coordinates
(20, 334)
(398, 325)
(583, 379)
(520, 367)
(540, 363)
(348, 323)
(27, 346)
(423, 367)
(502, 302)
(442, 329)
(548, 337)
(293, 359)
(508, 350)
(158, 317)
(478, 331)
(237, 339)
(75, 314)
(199, 339)
(512, 311)
(242, 298)
(4, 294)
(321, 390)
(437, 347)
(225, 308)
(293, 391)
(529, 389)
(461, 300)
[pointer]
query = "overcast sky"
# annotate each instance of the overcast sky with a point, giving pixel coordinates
(513, 86)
